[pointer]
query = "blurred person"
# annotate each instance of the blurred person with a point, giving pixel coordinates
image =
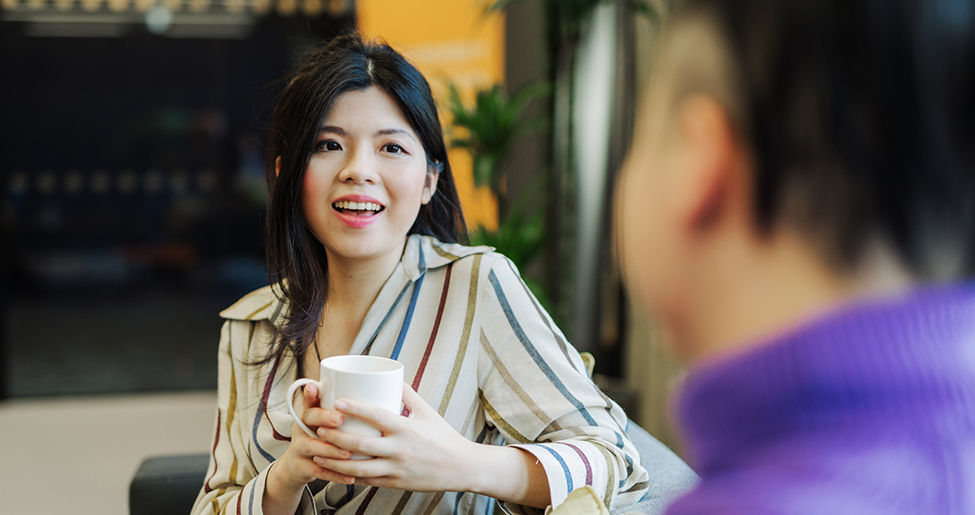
(362, 230)
(797, 209)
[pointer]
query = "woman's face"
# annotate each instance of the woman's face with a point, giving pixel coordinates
(366, 178)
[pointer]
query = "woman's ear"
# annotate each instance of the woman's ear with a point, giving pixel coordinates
(430, 183)
(277, 166)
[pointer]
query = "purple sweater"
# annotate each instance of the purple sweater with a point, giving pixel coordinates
(866, 409)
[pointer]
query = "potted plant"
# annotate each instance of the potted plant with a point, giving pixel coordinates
(487, 130)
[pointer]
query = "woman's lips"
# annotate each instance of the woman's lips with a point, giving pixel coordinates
(357, 220)
(357, 211)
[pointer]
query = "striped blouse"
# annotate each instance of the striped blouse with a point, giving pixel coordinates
(475, 344)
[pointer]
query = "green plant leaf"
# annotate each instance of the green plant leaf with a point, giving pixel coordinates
(498, 6)
(492, 123)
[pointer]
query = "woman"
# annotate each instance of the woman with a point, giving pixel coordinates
(363, 220)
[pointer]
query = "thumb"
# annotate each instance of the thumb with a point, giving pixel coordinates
(413, 402)
(310, 396)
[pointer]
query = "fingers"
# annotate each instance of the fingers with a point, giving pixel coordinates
(302, 450)
(367, 445)
(320, 417)
(313, 414)
(375, 416)
(331, 475)
(312, 469)
(372, 468)
(307, 446)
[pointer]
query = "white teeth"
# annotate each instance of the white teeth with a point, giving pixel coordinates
(358, 206)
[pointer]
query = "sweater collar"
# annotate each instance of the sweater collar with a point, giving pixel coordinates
(908, 359)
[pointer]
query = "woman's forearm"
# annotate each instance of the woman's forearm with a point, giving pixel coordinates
(280, 496)
(511, 475)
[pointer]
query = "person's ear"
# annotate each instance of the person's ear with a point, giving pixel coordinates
(711, 153)
(430, 183)
(277, 166)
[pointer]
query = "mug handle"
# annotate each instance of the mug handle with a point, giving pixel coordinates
(291, 408)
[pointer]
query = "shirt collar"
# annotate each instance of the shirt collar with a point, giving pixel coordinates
(424, 253)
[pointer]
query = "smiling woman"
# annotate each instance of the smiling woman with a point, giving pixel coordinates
(363, 224)
(369, 160)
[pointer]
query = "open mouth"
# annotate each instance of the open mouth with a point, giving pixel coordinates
(358, 208)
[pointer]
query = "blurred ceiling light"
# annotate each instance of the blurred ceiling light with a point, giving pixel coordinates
(126, 182)
(74, 182)
(118, 5)
(153, 181)
(100, 182)
(287, 7)
(339, 6)
(19, 182)
(311, 8)
(199, 19)
(261, 7)
(179, 181)
(158, 19)
(46, 182)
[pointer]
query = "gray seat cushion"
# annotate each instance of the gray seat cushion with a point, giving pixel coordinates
(670, 477)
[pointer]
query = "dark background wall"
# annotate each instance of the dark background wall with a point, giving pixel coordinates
(131, 198)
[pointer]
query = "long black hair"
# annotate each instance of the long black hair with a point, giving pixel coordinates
(297, 264)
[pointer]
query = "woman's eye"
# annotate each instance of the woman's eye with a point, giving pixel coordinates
(393, 148)
(329, 145)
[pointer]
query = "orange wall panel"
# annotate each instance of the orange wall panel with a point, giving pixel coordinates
(449, 41)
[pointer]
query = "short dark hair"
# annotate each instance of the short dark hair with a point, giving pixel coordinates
(860, 114)
(297, 264)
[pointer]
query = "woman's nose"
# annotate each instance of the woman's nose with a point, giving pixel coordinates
(360, 168)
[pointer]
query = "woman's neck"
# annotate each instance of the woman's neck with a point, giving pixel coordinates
(354, 283)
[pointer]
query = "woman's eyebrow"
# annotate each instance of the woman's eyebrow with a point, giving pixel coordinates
(333, 129)
(388, 132)
(381, 132)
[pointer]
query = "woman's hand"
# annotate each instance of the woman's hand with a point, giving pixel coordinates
(297, 460)
(422, 453)
(295, 468)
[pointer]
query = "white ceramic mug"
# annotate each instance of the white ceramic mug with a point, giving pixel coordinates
(370, 379)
